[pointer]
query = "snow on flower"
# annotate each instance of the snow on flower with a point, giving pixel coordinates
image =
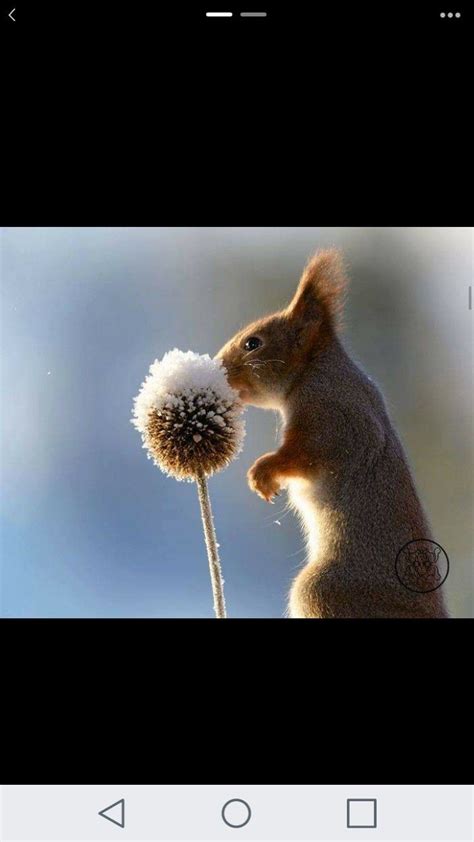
(189, 417)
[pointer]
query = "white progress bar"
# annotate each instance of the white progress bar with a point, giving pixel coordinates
(242, 14)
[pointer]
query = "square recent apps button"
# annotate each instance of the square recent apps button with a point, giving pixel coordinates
(361, 812)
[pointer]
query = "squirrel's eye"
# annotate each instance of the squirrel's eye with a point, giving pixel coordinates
(252, 342)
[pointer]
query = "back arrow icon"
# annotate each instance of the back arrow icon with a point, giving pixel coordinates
(115, 813)
(10, 15)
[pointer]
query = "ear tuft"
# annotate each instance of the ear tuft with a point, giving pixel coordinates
(321, 287)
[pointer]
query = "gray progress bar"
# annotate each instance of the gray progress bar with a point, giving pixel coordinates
(253, 14)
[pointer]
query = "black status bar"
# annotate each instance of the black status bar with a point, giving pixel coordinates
(365, 18)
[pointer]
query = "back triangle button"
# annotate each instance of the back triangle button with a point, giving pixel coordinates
(115, 813)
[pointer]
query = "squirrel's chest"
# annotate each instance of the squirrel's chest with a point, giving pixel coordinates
(322, 520)
(303, 496)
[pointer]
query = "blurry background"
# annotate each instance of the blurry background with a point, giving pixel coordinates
(90, 528)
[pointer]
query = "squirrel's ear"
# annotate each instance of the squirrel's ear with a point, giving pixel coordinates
(321, 288)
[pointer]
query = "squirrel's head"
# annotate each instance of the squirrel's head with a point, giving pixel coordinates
(264, 360)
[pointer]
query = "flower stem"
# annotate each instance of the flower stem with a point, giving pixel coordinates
(211, 545)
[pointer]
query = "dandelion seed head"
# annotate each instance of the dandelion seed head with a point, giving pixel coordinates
(185, 393)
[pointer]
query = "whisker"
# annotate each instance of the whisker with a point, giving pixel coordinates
(280, 515)
(253, 367)
(234, 369)
(298, 552)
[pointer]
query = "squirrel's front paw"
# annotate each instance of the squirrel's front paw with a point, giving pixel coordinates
(262, 477)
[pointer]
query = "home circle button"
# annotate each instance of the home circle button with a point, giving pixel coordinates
(236, 813)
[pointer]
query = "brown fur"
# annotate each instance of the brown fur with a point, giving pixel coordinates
(340, 458)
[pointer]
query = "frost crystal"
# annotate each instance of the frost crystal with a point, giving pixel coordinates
(180, 411)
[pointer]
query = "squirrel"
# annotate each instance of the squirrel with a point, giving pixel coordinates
(340, 458)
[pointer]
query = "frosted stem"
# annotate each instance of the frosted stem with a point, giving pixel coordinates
(211, 545)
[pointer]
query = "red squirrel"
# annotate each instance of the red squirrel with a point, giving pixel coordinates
(340, 457)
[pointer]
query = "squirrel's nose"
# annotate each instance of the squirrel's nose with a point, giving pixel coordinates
(224, 364)
(220, 356)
